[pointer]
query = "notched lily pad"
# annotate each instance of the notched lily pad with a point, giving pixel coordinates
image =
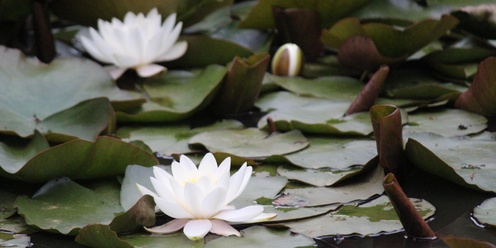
(64, 206)
(251, 142)
(367, 219)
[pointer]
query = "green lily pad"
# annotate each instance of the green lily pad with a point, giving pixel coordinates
(171, 139)
(259, 236)
(361, 189)
(260, 187)
(64, 206)
(250, 142)
(204, 50)
(98, 235)
(333, 153)
(176, 95)
(46, 97)
(173, 240)
(105, 157)
(141, 214)
(315, 177)
(445, 122)
(467, 161)
(367, 219)
(312, 115)
(337, 88)
(458, 63)
(7, 208)
(486, 212)
(261, 17)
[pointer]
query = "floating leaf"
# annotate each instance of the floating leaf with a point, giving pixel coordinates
(261, 17)
(445, 122)
(333, 153)
(41, 96)
(386, 44)
(105, 157)
(7, 208)
(173, 240)
(98, 235)
(64, 206)
(171, 139)
(176, 95)
(367, 219)
(481, 95)
(259, 236)
(316, 177)
(458, 63)
(361, 189)
(260, 187)
(312, 115)
(469, 162)
(250, 142)
(485, 213)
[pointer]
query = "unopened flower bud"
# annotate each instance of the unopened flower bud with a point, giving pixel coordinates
(288, 60)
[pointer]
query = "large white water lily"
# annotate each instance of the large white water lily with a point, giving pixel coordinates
(199, 198)
(137, 42)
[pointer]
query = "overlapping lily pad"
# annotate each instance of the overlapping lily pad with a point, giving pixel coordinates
(88, 160)
(250, 142)
(446, 122)
(366, 219)
(176, 95)
(312, 115)
(486, 212)
(362, 189)
(171, 139)
(46, 97)
(466, 161)
(64, 206)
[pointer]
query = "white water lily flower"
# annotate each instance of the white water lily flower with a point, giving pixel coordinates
(199, 198)
(136, 43)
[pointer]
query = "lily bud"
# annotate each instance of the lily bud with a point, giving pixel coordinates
(288, 60)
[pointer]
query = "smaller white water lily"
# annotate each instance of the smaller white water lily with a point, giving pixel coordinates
(137, 42)
(199, 198)
(288, 60)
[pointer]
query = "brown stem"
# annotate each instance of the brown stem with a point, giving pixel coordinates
(271, 124)
(45, 44)
(414, 224)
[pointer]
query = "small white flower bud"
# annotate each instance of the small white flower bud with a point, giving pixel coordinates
(288, 60)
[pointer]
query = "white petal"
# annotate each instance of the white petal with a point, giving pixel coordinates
(168, 39)
(240, 215)
(176, 51)
(193, 197)
(238, 182)
(262, 217)
(153, 45)
(168, 24)
(197, 229)
(145, 191)
(172, 209)
(213, 202)
(149, 70)
(115, 72)
(221, 227)
(184, 170)
(208, 165)
(124, 60)
(169, 227)
(163, 188)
